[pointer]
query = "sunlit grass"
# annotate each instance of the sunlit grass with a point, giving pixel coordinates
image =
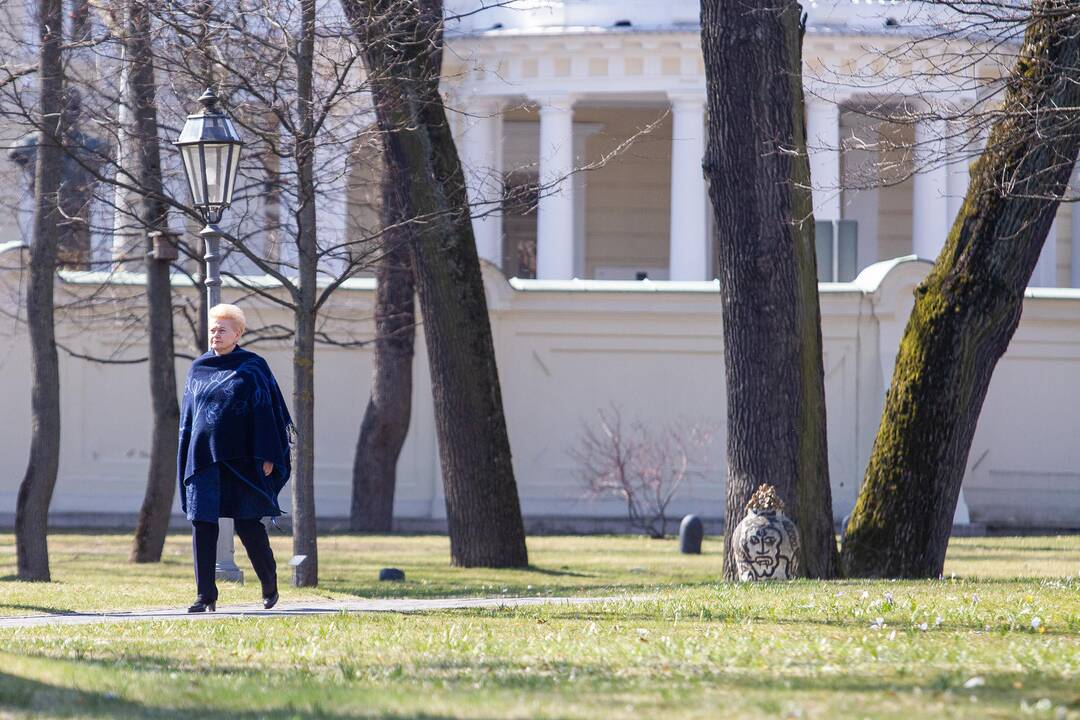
(91, 572)
(1001, 639)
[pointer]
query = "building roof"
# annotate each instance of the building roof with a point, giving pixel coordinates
(539, 18)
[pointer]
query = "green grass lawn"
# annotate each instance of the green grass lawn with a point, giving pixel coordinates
(1001, 639)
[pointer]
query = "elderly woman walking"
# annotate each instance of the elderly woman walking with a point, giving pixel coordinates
(234, 453)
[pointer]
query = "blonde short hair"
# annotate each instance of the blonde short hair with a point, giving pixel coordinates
(225, 311)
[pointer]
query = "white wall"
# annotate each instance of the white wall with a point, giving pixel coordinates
(565, 350)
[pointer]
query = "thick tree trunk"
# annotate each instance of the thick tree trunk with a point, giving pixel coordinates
(758, 172)
(386, 420)
(306, 573)
(161, 475)
(36, 490)
(813, 489)
(967, 310)
(403, 48)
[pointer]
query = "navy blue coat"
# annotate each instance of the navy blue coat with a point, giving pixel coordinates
(232, 419)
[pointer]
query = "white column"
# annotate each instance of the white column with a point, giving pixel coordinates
(482, 165)
(823, 147)
(689, 242)
(930, 220)
(1074, 227)
(555, 208)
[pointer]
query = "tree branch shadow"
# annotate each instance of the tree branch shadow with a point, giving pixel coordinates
(45, 609)
(60, 701)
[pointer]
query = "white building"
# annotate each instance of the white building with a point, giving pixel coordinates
(545, 87)
(602, 103)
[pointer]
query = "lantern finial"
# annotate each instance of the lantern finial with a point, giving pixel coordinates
(209, 101)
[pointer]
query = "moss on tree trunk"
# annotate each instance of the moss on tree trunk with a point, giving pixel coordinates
(966, 311)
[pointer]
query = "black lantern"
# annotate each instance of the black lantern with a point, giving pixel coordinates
(210, 148)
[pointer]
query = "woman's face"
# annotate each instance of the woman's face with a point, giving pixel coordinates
(224, 334)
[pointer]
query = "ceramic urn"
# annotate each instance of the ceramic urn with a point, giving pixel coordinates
(766, 541)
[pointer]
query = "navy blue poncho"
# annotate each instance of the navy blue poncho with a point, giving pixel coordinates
(233, 418)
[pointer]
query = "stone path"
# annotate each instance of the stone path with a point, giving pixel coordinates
(297, 609)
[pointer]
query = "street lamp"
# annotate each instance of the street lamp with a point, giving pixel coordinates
(210, 148)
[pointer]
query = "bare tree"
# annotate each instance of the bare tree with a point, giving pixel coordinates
(968, 308)
(305, 297)
(643, 466)
(386, 419)
(153, 520)
(36, 490)
(758, 173)
(402, 44)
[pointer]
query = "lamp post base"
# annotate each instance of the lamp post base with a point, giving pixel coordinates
(226, 568)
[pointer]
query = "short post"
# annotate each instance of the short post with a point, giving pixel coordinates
(691, 533)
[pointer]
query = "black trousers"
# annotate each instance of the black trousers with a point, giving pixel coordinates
(204, 537)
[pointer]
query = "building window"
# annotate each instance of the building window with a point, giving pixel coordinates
(520, 196)
(837, 245)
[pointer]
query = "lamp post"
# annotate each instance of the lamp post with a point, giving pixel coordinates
(210, 148)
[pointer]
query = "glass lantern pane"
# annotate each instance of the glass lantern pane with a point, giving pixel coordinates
(234, 164)
(190, 154)
(222, 197)
(215, 172)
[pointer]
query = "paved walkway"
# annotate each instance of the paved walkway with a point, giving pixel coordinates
(298, 609)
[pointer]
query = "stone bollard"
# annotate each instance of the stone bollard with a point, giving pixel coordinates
(691, 531)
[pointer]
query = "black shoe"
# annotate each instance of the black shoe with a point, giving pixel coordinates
(201, 605)
(270, 600)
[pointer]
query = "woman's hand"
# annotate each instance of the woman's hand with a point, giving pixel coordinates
(268, 467)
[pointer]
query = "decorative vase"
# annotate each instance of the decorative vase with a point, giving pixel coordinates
(766, 540)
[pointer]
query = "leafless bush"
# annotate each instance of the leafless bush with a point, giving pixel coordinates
(642, 464)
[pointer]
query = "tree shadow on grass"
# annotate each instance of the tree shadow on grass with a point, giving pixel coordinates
(419, 592)
(644, 612)
(1018, 549)
(558, 573)
(25, 694)
(38, 609)
(517, 588)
